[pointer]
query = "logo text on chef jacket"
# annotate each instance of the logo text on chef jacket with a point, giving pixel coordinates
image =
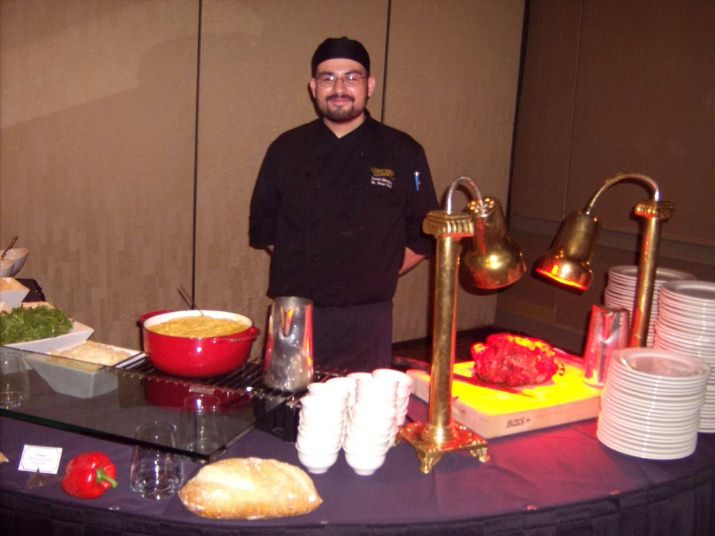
(382, 177)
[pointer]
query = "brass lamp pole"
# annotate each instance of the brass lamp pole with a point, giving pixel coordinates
(569, 259)
(494, 261)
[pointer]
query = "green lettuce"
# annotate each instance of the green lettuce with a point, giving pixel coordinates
(32, 323)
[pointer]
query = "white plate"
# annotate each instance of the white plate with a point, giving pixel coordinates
(649, 363)
(78, 334)
(643, 424)
(706, 353)
(633, 386)
(698, 324)
(655, 398)
(699, 293)
(673, 416)
(687, 334)
(684, 308)
(653, 441)
(629, 273)
(611, 439)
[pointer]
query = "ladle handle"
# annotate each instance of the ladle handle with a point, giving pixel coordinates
(9, 247)
(188, 300)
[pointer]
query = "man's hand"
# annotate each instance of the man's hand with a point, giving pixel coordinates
(411, 260)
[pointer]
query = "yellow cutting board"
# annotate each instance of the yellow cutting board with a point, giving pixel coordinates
(496, 412)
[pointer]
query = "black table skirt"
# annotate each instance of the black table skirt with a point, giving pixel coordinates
(559, 481)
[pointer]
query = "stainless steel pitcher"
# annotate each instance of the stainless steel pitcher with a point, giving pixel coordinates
(288, 360)
(608, 331)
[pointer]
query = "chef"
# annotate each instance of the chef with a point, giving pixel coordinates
(339, 204)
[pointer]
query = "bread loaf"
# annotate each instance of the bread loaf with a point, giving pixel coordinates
(92, 352)
(249, 488)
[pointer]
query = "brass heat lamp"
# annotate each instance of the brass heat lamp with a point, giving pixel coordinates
(569, 260)
(493, 261)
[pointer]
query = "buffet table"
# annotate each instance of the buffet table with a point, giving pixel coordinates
(559, 480)
(554, 481)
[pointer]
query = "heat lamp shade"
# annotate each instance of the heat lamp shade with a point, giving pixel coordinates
(495, 260)
(568, 262)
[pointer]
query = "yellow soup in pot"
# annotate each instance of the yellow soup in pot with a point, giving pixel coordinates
(199, 326)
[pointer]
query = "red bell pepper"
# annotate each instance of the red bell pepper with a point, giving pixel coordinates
(89, 475)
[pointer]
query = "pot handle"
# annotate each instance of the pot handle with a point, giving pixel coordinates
(250, 333)
(146, 316)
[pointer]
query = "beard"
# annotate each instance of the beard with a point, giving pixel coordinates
(343, 113)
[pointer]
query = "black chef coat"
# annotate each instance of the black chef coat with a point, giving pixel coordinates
(340, 211)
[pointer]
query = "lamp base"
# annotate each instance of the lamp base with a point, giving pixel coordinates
(432, 442)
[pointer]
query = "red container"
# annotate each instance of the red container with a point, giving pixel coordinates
(162, 391)
(196, 357)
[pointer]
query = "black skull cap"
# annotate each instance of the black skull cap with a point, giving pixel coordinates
(340, 47)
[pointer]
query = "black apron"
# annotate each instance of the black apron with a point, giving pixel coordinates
(354, 338)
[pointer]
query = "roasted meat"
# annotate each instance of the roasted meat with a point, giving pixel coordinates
(507, 359)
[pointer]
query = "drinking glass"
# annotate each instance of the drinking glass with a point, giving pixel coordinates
(198, 430)
(14, 381)
(155, 473)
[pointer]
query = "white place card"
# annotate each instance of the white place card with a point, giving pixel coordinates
(40, 459)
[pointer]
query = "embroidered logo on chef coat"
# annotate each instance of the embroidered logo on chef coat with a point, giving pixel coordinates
(382, 177)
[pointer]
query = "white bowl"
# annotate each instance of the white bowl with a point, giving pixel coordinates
(344, 383)
(317, 462)
(314, 417)
(318, 445)
(18, 257)
(364, 465)
(366, 445)
(321, 433)
(12, 291)
(6, 267)
(403, 379)
(357, 376)
(377, 413)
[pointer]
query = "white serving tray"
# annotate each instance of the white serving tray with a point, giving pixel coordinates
(78, 334)
(71, 377)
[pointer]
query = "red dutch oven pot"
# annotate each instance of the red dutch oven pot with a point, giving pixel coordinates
(196, 357)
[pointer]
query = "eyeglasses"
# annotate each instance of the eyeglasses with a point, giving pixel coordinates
(348, 79)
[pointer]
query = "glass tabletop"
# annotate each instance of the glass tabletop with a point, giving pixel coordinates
(112, 402)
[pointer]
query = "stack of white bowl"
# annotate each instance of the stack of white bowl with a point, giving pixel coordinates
(686, 324)
(321, 427)
(651, 402)
(620, 290)
(360, 412)
(371, 425)
(404, 390)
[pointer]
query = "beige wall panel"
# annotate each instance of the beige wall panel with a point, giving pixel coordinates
(640, 82)
(254, 73)
(451, 83)
(96, 153)
(542, 144)
(98, 117)
(645, 104)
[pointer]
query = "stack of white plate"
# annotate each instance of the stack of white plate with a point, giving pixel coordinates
(620, 290)
(686, 324)
(651, 402)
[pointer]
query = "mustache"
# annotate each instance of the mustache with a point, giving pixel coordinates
(340, 96)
